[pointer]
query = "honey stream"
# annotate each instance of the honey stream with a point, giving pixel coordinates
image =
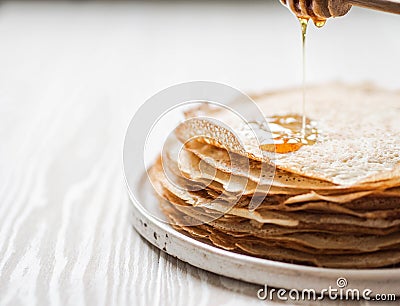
(291, 132)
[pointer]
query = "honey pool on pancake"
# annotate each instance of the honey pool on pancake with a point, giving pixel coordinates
(289, 133)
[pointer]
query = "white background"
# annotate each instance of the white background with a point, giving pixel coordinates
(72, 75)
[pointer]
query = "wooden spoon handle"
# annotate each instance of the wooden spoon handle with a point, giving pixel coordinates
(390, 6)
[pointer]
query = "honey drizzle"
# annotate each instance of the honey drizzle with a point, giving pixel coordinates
(303, 24)
(291, 132)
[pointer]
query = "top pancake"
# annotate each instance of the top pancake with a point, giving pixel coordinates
(358, 141)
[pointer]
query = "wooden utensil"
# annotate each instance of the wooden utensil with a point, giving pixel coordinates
(323, 9)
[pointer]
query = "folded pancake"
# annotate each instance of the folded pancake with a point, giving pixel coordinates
(335, 203)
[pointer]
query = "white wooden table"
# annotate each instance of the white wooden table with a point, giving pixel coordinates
(72, 75)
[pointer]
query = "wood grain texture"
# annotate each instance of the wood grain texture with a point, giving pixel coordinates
(390, 6)
(71, 76)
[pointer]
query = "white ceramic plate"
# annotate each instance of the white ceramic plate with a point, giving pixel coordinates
(147, 219)
(247, 268)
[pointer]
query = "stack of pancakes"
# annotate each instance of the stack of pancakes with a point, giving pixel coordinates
(335, 203)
